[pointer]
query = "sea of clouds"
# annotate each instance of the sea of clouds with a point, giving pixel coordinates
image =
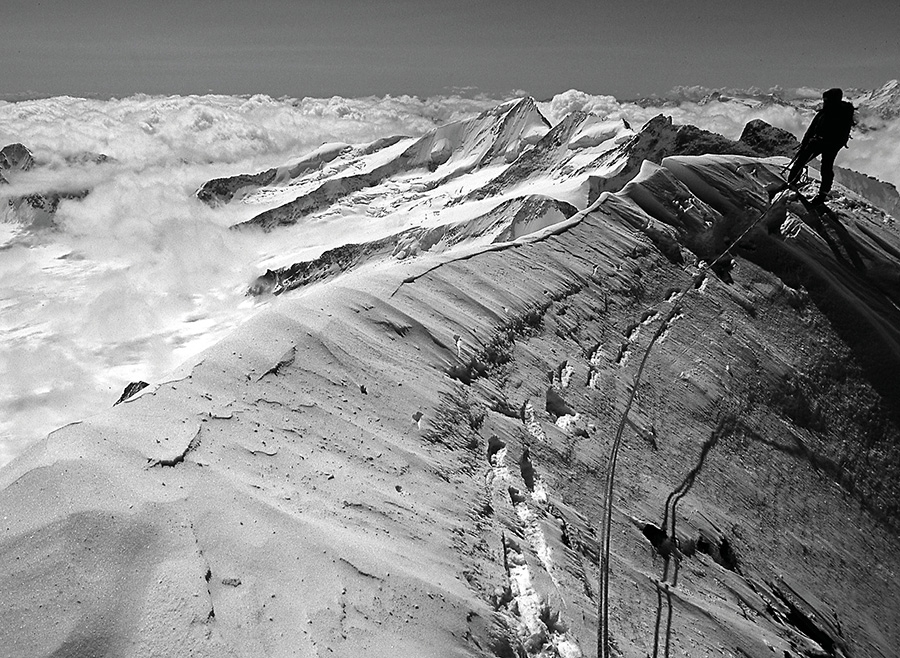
(140, 276)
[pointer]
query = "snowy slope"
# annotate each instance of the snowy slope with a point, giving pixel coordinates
(884, 101)
(497, 135)
(407, 453)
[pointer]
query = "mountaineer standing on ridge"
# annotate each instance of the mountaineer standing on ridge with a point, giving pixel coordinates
(827, 134)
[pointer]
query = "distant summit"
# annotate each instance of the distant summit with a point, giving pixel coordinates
(884, 101)
(496, 136)
(15, 157)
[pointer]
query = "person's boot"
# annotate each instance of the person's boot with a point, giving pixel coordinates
(819, 199)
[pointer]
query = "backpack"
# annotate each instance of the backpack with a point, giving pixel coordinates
(848, 120)
(834, 122)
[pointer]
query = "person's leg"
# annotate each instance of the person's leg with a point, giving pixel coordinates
(806, 153)
(828, 157)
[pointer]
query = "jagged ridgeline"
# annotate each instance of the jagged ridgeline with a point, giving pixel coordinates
(36, 210)
(583, 382)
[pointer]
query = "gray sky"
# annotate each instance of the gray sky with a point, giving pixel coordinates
(338, 47)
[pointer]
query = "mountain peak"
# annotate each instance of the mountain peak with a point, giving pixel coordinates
(16, 157)
(884, 101)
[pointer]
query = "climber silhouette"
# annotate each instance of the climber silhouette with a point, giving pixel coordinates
(827, 134)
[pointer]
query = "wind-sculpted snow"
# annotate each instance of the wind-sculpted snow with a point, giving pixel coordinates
(662, 196)
(406, 454)
(659, 138)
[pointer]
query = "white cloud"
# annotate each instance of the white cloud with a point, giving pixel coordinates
(198, 129)
(578, 101)
(876, 153)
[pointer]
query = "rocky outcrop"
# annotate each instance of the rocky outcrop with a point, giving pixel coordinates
(89, 157)
(130, 391)
(767, 140)
(38, 210)
(16, 157)
(35, 209)
(223, 190)
(47, 202)
(690, 140)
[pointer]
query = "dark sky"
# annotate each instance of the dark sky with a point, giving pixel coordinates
(338, 47)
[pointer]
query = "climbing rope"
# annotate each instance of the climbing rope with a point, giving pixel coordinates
(603, 645)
